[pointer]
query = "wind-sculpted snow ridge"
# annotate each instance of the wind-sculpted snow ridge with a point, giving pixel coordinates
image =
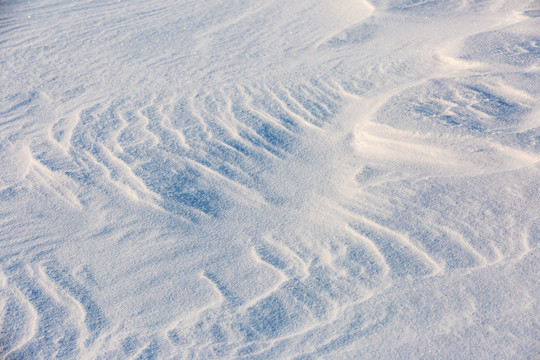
(269, 180)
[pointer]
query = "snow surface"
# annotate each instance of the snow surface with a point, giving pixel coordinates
(269, 179)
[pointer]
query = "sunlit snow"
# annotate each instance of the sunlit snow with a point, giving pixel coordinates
(245, 179)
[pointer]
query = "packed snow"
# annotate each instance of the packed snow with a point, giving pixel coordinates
(263, 179)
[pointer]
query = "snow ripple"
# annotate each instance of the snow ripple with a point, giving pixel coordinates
(258, 180)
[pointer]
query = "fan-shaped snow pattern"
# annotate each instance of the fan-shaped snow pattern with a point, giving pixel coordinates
(268, 179)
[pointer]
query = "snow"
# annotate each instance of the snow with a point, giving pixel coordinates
(268, 180)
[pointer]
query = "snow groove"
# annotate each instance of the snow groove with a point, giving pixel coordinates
(253, 180)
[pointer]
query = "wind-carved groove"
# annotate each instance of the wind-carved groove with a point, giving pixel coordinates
(308, 296)
(272, 103)
(239, 218)
(18, 318)
(51, 308)
(266, 105)
(402, 257)
(452, 247)
(136, 152)
(47, 173)
(222, 290)
(186, 119)
(164, 138)
(321, 110)
(177, 136)
(92, 316)
(295, 107)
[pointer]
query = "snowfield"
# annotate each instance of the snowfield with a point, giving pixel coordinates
(263, 179)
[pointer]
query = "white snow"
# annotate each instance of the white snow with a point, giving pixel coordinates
(269, 180)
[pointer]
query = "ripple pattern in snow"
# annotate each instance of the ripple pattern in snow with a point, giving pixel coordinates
(267, 180)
